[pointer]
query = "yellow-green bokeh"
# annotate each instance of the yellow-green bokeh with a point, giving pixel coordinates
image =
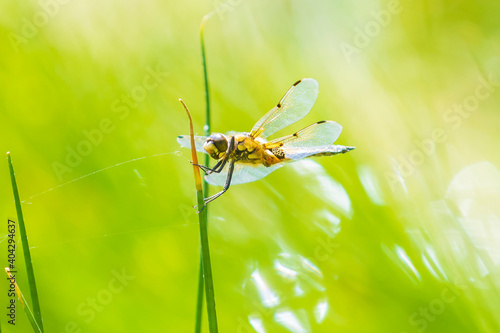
(408, 222)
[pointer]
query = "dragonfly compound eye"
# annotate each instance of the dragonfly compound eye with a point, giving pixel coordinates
(220, 142)
(216, 145)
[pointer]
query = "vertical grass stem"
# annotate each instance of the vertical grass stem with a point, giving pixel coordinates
(26, 249)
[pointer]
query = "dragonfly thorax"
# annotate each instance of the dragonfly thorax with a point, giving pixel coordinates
(216, 145)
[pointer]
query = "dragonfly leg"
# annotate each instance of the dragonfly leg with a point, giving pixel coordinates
(229, 175)
(202, 167)
(226, 185)
(208, 170)
(220, 165)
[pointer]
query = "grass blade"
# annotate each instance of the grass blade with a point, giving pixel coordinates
(26, 249)
(207, 87)
(199, 302)
(205, 250)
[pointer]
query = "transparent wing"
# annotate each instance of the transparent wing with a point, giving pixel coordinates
(313, 139)
(243, 173)
(294, 106)
(185, 141)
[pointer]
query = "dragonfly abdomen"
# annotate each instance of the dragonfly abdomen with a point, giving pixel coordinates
(334, 150)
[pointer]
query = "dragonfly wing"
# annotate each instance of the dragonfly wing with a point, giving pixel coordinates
(242, 173)
(313, 139)
(185, 141)
(294, 106)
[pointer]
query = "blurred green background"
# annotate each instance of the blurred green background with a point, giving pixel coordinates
(400, 235)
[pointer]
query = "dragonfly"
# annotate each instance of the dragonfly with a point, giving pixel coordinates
(244, 157)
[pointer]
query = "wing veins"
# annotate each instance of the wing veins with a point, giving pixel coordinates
(293, 106)
(308, 141)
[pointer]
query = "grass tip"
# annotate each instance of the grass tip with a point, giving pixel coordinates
(205, 18)
(8, 153)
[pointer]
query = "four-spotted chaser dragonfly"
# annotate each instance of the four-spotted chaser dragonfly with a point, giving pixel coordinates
(247, 157)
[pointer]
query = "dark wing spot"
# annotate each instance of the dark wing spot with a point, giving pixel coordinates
(321, 122)
(295, 135)
(279, 105)
(296, 83)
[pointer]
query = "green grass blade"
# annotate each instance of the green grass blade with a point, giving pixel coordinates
(199, 303)
(202, 217)
(26, 249)
(205, 76)
(207, 268)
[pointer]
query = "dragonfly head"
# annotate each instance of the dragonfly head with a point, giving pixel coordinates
(216, 145)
